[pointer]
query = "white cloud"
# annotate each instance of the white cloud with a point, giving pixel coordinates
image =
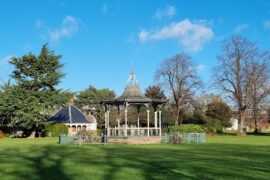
(267, 24)
(240, 28)
(104, 9)
(169, 11)
(39, 24)
(68, 27)
(143, 36)
(200, 68)
(191, 36)
(4, 61)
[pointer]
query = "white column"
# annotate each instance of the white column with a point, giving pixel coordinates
(156, 123)
(109, 129)
(159, 123)
(108, 112)
(126, 111)
(148, 122)
(106, 123)
(138, 126)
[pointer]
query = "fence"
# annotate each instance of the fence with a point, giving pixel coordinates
(80, 140)
(176, 138)
(133, 131)
(188, 138)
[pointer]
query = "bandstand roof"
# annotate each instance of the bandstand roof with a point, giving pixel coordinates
(133, 94)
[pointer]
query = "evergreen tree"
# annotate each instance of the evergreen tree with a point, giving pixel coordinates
(28, 104)
(92, 97)
(220, 111)
(155, 92)
(38, 73)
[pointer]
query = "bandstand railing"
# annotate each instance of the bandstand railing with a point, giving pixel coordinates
(133, 131)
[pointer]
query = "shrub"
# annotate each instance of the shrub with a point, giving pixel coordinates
(214, 126)
(99, 132)
(56, 129)
(1, 134)
(219, 111)
(186, 128)
(197, 117)
(16, 134)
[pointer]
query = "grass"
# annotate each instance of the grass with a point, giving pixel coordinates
(222, 157)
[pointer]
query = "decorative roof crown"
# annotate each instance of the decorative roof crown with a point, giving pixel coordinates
(132, 89)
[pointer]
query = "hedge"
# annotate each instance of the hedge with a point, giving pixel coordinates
(186, 128)
(56, 129)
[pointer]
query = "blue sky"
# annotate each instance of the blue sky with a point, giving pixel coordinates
(100, 40)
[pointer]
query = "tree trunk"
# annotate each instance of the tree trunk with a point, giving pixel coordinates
(256, 129)
(177, 116)
(257, 126)
(33, 134)
(241, 119)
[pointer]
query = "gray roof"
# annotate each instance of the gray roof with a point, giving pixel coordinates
(132, 91)
(91, 119)
(71, 114)
(133, 94)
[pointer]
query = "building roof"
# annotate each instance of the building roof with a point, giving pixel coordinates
(132, 91)
(71, 114)
(133, 94)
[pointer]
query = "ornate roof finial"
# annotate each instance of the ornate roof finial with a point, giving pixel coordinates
(132, 78)
(132, 73)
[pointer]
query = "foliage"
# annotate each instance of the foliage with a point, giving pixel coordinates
(197, 117)
(213, 126)
(92, 98)
(1, 134)
(56, 129)
(210, 124)
(219, 111)
(155, 92)
(41, 72)
(186, 128)
(27, 104)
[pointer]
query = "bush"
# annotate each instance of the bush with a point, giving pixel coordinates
(16, 134)
(214, 126)
(219, 111)
(197, 117)
(1, 134)
(99, 132)
(186, 128)
(56, 129)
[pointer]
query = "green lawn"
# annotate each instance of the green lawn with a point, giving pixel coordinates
(222, 157)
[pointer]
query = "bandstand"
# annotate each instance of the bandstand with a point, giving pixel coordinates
(132, 96)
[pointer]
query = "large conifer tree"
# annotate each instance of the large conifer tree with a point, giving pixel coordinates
(34, 95)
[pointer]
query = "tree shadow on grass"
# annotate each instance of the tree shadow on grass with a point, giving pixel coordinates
(259, 134)
(205, 161)
(228, 161)
(36, 163)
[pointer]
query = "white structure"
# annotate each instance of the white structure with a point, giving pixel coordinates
(75, 119)
(132, 96)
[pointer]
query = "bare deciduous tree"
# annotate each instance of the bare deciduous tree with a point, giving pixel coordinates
(259, 87)
(178, 76)
(236, 77)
